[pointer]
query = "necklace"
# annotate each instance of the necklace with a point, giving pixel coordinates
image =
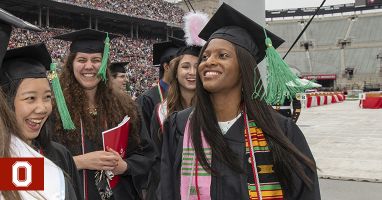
(92, 111)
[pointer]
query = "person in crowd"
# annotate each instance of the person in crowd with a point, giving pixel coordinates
(95, 107)
(163, 53)
(291, 109)
(118, 73)
(182, 87)
(17, 68)
(56, 183)
(230, 145)
(23, 78)
(180, 97)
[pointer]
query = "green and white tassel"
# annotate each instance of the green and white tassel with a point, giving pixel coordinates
(282, 83)
(105, 57)
(66, 120)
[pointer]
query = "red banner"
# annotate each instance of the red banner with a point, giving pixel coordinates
(22, 173)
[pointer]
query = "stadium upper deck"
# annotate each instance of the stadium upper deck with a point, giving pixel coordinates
(347, 47)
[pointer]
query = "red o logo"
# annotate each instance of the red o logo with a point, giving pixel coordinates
(21, 165)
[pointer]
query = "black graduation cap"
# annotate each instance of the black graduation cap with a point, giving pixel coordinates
(86, 40)
(166, 51)
(26, 62)
(189, 50)
(8, 20)
(229, 24)
(184, 49)
(118, 67)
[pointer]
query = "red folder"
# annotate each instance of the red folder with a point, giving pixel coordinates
(117, 138)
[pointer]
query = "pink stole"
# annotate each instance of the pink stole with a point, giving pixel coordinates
(195, 181)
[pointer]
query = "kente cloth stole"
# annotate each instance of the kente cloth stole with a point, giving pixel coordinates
(270, 188)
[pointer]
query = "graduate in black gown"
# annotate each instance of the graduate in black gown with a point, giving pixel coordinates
(23, 78)
(180, 96)
(230, 145)
(57, 153)
(182, 87)
(163, 53)
(95, 106)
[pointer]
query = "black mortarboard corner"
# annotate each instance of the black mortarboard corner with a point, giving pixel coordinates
(164, 52)
(231, 25)
(184, 49)
(86, 40)
(189, 50)
(8, 20)
(118, 67)
(25, 62)
(90, 41)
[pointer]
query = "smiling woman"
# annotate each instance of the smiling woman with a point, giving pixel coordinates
(95, 106)
(232, 145)
(33, 106)
(23, 78)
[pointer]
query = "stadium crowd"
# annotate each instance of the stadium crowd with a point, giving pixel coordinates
(138, 52)
(152, 9)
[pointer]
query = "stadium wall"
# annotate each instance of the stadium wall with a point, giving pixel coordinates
(346, 46)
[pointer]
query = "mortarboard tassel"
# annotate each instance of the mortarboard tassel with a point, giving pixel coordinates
(282, 83)
(105, 57)
(66, 120)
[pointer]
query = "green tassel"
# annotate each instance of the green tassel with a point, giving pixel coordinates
(105, 57)
(67, 122)
(258, 92)
(282, 83)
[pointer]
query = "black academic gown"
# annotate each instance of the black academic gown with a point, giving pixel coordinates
(154, 176)
(148, 101)
(61, 156)
(229, 184)
(139, 160)
(70, 192)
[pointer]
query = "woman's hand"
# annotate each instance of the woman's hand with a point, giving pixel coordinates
(121, 166)
(97, 160)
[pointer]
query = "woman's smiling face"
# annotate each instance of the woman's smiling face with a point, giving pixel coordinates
(85, 68)
(219, 69)
(33, 106)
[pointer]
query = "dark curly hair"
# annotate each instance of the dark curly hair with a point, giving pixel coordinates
(112, 106)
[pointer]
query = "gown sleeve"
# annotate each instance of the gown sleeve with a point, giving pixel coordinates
(301, 191)
(70, 193)
(172, 147)
(141, 159)
(154, 175)
(167, 184)
(147, 104)
(61, 156)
